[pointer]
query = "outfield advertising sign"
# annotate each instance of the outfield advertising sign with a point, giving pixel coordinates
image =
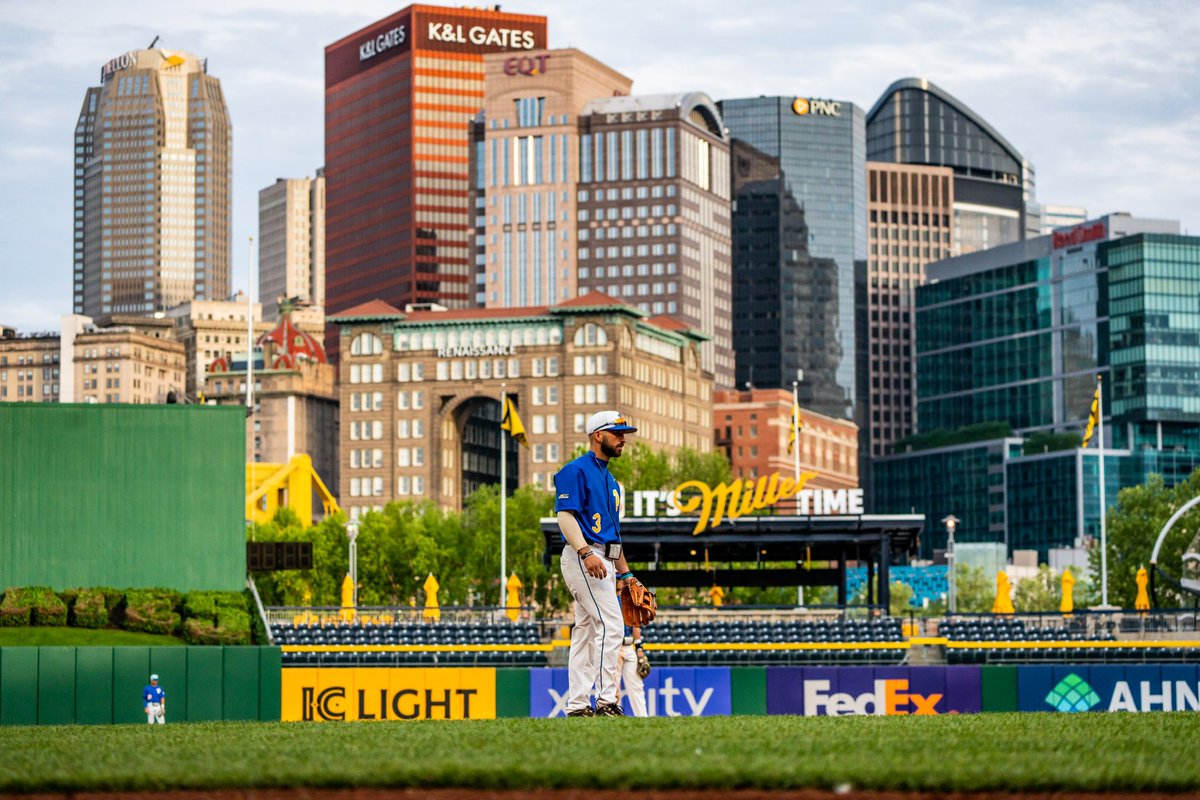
(1074, 689)
(670, 692)
(879, 691)
(375, 693)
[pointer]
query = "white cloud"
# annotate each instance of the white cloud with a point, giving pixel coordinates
(1102, 96)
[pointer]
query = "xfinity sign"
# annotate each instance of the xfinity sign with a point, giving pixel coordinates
(384, 41)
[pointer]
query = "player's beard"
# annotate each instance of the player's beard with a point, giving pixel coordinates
(610, 450)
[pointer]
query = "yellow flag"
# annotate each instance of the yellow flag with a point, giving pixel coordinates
(1095, 415)
(797, 425)
(511, 422)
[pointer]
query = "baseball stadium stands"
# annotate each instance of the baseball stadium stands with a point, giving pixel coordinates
(403, 643)
(1132, 638)
(776, 641)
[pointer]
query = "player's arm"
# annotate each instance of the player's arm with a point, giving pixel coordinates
(568, 523)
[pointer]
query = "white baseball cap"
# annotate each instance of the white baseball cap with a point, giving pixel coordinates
(609, 421)
(153, 677)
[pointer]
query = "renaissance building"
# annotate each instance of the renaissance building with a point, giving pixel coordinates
(420, 393)
(153, 150)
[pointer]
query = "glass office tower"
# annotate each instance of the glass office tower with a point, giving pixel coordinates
(918, 122)
(821, 147)
(1014, 337)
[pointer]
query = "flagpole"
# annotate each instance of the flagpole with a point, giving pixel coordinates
(1103, 514)
(503, 493)
(792, 433)
(796, 462)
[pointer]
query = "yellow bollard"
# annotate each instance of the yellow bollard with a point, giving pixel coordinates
(1003, 604)
(347, 599)
(432, 610)
(1068, 593)
(717, 594)
(1142, 603)
(512, 603)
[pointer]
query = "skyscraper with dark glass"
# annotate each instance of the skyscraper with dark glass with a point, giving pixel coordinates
(917, 122)
(1010, 342)
(821, 150)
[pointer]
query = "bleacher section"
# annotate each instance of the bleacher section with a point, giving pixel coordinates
(929, 583)
(411, 644)
(778, 641)
(985, 640)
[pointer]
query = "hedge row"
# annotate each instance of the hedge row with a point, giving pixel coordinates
(199, 617)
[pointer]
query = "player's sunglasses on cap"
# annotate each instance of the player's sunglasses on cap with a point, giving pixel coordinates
(609, 421)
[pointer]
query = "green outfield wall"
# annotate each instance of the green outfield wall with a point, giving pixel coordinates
(103, 685)
(122, 495)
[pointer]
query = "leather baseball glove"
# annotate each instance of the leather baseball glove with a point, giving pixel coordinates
(638, 605)
(643, 663)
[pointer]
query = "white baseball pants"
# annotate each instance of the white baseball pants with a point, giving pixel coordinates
(599, 630)
(632, 682)
(155, 713)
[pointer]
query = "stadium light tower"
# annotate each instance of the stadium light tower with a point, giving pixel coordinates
(951, 522)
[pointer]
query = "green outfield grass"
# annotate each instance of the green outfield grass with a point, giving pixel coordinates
(82, 637)
(1007, 752)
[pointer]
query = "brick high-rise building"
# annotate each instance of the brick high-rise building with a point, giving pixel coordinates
(400, 99)
(152, 186)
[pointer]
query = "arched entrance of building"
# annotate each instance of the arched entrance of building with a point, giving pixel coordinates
(478, 421)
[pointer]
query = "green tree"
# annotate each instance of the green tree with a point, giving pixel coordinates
(1043, 592)
(1133, 526)
(975, 592)
(900, 599)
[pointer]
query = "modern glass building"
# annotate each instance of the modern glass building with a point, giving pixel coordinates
(1018, 334)
(821, 148)
(918, 122)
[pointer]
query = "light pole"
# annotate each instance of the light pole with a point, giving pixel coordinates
(352, 534)
(951, 522)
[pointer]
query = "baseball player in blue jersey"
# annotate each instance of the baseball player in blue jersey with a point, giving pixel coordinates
(588, 506)
(154, 700)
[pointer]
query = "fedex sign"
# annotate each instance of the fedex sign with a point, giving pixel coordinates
(889, 697)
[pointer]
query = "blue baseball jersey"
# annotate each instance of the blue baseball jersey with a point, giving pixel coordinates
(153, 694)
(586, 488)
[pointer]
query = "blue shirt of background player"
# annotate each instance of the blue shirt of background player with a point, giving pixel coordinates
(153, 694)
(586, 488)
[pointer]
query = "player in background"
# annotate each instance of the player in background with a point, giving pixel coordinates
(635, 666)
(154, 700)
(593, 566)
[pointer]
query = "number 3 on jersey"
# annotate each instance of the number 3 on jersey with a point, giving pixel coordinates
(595, 523)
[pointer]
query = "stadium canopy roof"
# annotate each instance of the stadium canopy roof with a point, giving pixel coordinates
(768, 550)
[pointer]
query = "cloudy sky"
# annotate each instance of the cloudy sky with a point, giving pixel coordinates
(1103, 97)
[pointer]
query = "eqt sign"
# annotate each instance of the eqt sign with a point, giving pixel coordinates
(526, 65)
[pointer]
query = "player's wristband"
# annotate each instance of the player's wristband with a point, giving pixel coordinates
(624, 576)
(586, 553)
(638, 644)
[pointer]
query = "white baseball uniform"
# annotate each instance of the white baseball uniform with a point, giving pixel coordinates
(599, 628)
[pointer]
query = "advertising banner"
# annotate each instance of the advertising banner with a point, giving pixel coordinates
(314, 694)
(670, 692)
(881, 691)
(1109, 687)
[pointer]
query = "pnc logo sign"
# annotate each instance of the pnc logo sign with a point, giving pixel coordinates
(890, 697)
(803, 106)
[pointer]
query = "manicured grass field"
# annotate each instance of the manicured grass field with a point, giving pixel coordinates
(81, 637)
(1005, 752)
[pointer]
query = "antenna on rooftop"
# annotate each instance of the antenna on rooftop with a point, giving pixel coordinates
(151, 47)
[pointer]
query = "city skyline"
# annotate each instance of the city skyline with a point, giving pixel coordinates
(1102, 99)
